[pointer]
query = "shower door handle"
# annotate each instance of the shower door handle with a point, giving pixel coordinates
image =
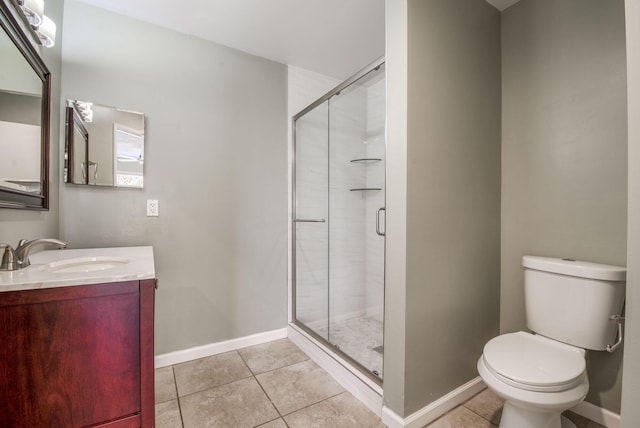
(309, 220)
(378, 221)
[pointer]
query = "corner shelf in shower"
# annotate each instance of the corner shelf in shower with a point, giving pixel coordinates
(366, 160)
(365, 189)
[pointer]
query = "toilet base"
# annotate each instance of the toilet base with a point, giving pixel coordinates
(518, 417)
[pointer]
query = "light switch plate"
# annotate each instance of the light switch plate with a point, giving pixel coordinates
(152, 208)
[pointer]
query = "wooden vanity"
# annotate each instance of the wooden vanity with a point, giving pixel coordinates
(79, 355)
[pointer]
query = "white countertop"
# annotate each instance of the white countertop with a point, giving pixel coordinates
(139, 265)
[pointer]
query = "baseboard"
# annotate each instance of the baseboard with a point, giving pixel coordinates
(361, 387)
(434, 410)
(597, 414)
(203, 351)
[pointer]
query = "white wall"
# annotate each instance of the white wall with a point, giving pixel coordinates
(20, 165)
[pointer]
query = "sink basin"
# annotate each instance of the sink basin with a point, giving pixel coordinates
(84, 264)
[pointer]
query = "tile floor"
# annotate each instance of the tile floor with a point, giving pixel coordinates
(275, 385)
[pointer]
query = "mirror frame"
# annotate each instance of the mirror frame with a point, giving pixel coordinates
(73, 122)
(15, 26)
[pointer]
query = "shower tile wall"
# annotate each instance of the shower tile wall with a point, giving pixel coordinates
(375, 178)
(347, 208)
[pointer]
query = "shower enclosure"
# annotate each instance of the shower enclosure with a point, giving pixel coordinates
(338, 219)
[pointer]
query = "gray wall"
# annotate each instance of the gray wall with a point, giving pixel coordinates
(17, 224)
(396, 203)
(453, 194)
(631, 379)
(564, 150)
(20, 108)
(216, 153)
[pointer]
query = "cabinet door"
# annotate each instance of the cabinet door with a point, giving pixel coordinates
(70, 356)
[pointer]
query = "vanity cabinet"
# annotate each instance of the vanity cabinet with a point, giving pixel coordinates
(78, 356)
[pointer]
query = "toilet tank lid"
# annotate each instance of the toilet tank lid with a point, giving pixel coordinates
(575, 268)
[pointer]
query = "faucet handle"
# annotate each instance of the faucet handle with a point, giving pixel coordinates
(8, 257)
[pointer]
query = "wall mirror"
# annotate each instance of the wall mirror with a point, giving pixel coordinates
(24, 116)
(104, 146)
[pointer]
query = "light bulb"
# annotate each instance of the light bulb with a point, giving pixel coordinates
(47, 32)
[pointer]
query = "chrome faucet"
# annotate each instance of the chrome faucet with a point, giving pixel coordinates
(19, 258)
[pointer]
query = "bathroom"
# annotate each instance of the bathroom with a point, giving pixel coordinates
(220, 241)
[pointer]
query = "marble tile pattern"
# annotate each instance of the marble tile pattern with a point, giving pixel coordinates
(358, 338)
(215, 392)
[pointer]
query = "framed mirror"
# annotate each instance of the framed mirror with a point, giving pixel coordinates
(104, 146)
(25, 85)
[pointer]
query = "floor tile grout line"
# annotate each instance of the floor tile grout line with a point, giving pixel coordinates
(245, 363)
(473, 411)
(281, 416)
(175, 384)
(313, 404)
(262, 389)
(269, 398)
(217, 386)
(278, 368)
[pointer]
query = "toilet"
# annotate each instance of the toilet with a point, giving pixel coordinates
(571, 306)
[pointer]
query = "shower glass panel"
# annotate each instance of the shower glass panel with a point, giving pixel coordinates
(311, 218)
(340, 186)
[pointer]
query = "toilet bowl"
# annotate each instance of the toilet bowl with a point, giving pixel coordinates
(571, 307)
(537, 377)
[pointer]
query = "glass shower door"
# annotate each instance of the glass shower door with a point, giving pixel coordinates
(339, 198)
(356, 212)
(311, 220)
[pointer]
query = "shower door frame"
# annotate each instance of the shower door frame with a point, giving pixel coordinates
(373, 66)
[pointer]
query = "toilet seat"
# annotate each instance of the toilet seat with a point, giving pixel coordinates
(534, 363)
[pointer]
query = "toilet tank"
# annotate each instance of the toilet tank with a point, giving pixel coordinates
(572, 301)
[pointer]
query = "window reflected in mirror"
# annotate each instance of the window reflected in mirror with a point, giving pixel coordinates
(104, 146)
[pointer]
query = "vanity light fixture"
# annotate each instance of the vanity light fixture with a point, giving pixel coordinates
(84, 110)
(33, 10)
(42, 25)
(47, 32)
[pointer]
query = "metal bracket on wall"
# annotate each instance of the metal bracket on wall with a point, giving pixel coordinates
(619, 319)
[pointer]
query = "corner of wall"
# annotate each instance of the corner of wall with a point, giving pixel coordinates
(396, 204)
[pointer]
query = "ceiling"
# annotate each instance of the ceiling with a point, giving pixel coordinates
(502, 4)
(332, 37)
